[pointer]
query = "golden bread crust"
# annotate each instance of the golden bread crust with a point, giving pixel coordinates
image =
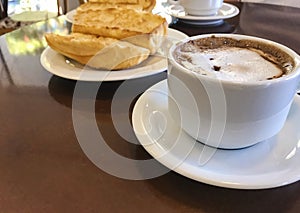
(101, 6)
(79, 43)
(98, 52)
(146, 5)
(115, 1)
(117, 23)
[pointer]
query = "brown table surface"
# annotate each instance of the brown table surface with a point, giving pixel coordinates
(42, 165)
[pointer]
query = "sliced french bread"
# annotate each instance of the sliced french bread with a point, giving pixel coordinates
(101, 6)
(138, 27)
(117, 23)
(98, 52)
(146, 5)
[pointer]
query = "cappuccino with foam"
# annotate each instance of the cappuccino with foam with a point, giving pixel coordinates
(231, 91)
(232, 59)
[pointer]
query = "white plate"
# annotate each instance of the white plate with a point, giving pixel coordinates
(225, 12)
(70, 15)
(272, 163)
(59, 65)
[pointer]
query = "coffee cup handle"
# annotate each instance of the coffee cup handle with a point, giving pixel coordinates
(174, 2)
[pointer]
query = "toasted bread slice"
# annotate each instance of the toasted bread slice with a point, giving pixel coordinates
(147, 5)
(116, 1)
(117, 23)
(101, 6)
(98, 52)
(138, 27)
(78, 43)
(151, 41)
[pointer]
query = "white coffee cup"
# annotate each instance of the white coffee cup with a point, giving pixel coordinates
(227, 113)
(200, 7)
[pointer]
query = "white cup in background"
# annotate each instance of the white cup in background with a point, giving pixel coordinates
(199, 7)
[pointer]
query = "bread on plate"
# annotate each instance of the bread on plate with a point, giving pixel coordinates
(111, 38)
(98, 52)
(146, 5)
(101, 6)
(138, 27)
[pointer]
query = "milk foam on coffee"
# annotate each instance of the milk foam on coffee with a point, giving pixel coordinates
(232, 64)
(226, 58)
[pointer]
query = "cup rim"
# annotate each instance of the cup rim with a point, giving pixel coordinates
(294, 74)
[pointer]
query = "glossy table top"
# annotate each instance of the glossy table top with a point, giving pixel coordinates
(43, 167)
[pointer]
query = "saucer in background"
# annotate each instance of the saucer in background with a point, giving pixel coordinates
(225, 12)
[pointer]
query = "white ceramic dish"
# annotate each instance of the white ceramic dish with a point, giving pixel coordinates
(269, 164)
(225, 12)
(70, 15)
(59, 65)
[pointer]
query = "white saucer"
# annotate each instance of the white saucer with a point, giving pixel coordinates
(59, 65)
(269, 164)
(225, 12)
